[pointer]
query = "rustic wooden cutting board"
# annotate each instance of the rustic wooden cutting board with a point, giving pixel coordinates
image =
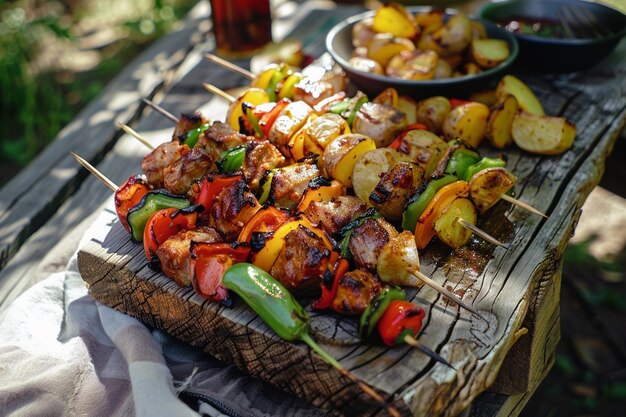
(516, 289)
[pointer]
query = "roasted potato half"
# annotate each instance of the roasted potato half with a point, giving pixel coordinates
(488, 185)
(369, 168)
(395, 19)
(396, 256)
(467, 122)
(453, 37)
(433, 111)
(424, 148)
(385, 46)
(489, 52)
(341, 155)
(546, 135)
(447, 225)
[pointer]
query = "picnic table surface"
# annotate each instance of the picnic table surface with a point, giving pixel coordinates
(47, 207)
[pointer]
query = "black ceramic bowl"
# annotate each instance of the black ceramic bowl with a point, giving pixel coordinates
(555, 54)
(339, 45)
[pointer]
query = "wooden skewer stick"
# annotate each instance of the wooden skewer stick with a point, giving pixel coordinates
(481, 233)
(214, 90)
(230, 66)
(521, 204)
(136, 135)
(160, 110)
(411, 341)
(429, 281)
(95, 172)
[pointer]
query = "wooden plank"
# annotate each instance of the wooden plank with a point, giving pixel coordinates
(503, 285)
(36, 193)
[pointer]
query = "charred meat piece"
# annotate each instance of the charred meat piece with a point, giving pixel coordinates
(356, 290)
(333, 215)
(368, 240)
(154, 164)
(186, 122)
(261, 156)
(302, 262)
(395, 187)
(380, 122)
(231, 210)
(174, 253)
(220, 137)
(179, 176)
(288, 183)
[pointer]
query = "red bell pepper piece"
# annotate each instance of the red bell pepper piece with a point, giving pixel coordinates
(268, 119)
(204, 192)
(398, 140)
(209, 261)
(164, 224)
(128, 196)
(401, 318)
(455, 102)
(329, 290)
(267, 219)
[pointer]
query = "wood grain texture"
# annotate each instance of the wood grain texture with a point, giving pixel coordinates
(514, 289)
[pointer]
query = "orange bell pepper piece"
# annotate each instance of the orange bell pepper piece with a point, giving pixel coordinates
(320, 192)
(424, 228)
(267, 219)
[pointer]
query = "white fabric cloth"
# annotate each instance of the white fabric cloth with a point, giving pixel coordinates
(64, 354)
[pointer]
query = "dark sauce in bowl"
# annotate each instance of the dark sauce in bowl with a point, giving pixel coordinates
(544, 28)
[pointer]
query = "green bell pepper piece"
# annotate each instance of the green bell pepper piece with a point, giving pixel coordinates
(419, 201)
(191, 137)
(484, 163)
(152, 202)
(376, 308)
(461, 159)
(231, 159)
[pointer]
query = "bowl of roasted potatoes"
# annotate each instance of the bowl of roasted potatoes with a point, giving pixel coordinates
(421, 51)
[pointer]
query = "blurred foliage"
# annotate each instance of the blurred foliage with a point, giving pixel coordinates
(40, 96)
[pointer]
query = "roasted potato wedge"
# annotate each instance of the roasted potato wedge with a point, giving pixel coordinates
(542, 134)
(381, 122)
(509, 84)
(363, 32)
(500, 122)
(413, 65)
(408, 106)
(467, 122)
(396, 256)
(322, 130)
(369, 168)
(487, 97)
(395, 19)
(453, 37)
(366, 65)
(395, 187)
(385, 46)
(341, 155)
(424, 148)
(433, 112)
(489, 52)
(488, 185)
(447, 226)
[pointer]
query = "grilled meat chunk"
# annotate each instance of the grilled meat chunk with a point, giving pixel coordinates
(187, 122)
(355, 291)
(231, 210)
(179, 176)
(155, 163)
(220, 137)
(395, 187)
(368, 240)
(302, 262)
(261, 156)
(333, 215)
(289, 183)
(174, 254)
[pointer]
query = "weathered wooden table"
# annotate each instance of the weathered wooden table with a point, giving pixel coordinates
(48, 206)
